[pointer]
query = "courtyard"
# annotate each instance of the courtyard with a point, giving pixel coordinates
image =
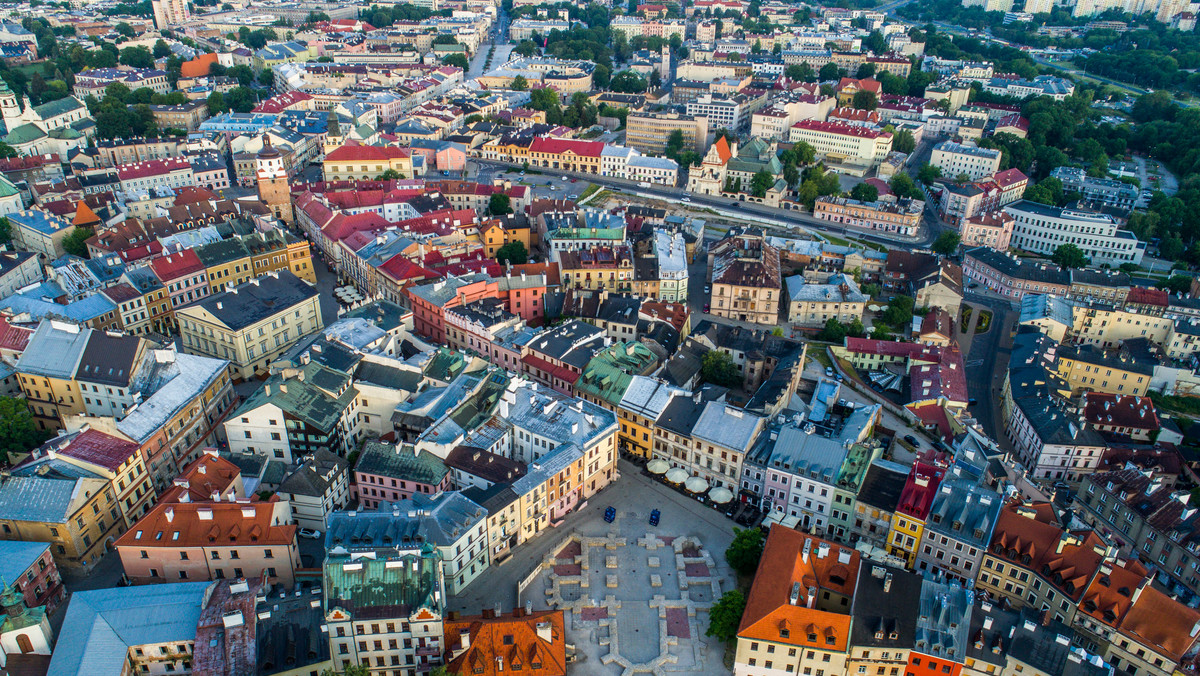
(635, 597)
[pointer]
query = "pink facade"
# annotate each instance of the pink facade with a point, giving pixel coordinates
(40, 583)
(372, 489)
(451, 159)
(775, 490)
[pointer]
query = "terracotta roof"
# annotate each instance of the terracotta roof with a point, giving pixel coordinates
(723, 151)
(793, 563)
(201, 478)
(176, 265)
(1110, 594)
(13, 337)
(558, 146)
(1119, 410)
(1027, 535)
(203, 524)
(1009, 177)
(197, 67)
(1161, 623)
(531, 643)
(1145, 296)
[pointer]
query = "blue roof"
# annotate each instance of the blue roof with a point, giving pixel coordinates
(45, 223)
(41, 499)
(102, 625)
(17, 557)
(82, 310)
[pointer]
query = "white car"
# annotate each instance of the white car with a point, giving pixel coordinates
(686, 199)
(310, 533)
(565, 179)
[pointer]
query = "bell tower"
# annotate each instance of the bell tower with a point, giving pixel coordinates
(273, 187)
(9, 108)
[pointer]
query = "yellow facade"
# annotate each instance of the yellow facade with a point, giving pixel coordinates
(1087, 377)
(51, 399)
(904, 536)
(81, 538)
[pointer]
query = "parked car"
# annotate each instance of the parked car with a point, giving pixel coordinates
(686, 199)
(911, 440)
(565, 179)
(610, 514)
(828, 372)
(654, 514)
(706, 307)
(310, 533)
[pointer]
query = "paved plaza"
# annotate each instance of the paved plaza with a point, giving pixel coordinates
(636, 597)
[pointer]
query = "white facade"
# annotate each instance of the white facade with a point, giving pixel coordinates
(955, 158)
(1041, 229)
(259, 431)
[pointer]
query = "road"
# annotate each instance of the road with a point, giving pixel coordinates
(792, 220)
(987, 361)
(498, 40)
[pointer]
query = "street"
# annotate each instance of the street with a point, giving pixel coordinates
(986, 360)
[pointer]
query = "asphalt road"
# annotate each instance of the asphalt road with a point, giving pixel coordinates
(734, 208)
(987, 361)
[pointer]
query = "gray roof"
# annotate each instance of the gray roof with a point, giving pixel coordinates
(401, 461)
(1046, 306)
(167, 381)
(384, 375)
(554, 416)
(885, 618)
(964, 511)
(316, 475)
(54, 349)
(102, 625)
(45, 500)
(109, 359)
(439, 520)
(728, 426)
(258, 299)
(941, 629)
(16, 557)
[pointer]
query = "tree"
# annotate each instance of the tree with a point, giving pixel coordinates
(726, 616)
(243, 73)
(1069, 256)
(903, 141)
(627, 82)
(117, 92)
(898, 312)
(865, 100)
(526, 48)
(18, 433)
(947, 243)
(458, 61)
(216, 103)
(137, 57)
(241, 99)
(161, 49)
(125, 29)
(519, 84)
(1171, 248)
(864, 192)
(499, 204)
(389, 175)
(829, 71)
(718, 368)
(514, 252)
(928, 173)
(834, 331)
(267, 77)
(655, 79)
(745, 550)
(5, 230)
(800, 71)
(761, 182)
(76, 242)
(445, 39)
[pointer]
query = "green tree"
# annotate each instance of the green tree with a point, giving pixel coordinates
(526, 48)
(243, 73)
(389, 175)
(928, 173)
(800, 71)
(514, 252)
(761, 182)
(947, 243)
(216, 103)
(117, 92)
(499, 204)
(903, 141)
(898, 312)
(902, 186)
(161, 49)
(125, 29)
(136, 57)
(627, 82)
(241, 99)
(674, 143)
(864, 192)
(717, 368)
(267, 77)
(18, 433)
(746, 549)
(5, 230)
(1069, 256)
(458, 61)
(726, 616)
(7, 150)
(519, 84)
(445, 39)
(829, 71)
(834, 331)
(1171, 247)
(76, 242)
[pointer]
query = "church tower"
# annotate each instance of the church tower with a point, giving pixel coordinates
(273, 187)
(9, 108)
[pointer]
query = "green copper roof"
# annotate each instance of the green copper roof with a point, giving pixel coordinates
(26, 133)
(362, 584)
(312, 398)
(611, 370)
(59, 107)
(401, 462)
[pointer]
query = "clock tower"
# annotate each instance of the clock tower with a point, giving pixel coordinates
(273, 187)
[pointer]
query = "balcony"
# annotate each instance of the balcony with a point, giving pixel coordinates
(428, 650)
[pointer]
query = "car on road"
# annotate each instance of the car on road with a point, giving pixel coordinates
(972, 401)
(706, 307)
(610, 514)
(973, 285)
(564, 179)
(686, 199)
(310, 533)
(707, 288)
(654, 515)
(911, 440)
(828, 372)
(572, 197)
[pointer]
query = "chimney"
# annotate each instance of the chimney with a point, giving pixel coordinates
(170, 513)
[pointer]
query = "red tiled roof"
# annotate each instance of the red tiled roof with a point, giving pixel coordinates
(498, 645)
(840, 128)
(13, 337)
(1119, 410)
(280, 103)
(99, 449)
(400, 268)
(205, 524)
(152, 168)
(356, 153)
(868, 84)
(917, 496)
(1009, 178)
(176, 265)
(723, 151)
(1014, 120)
(197, 67)
(558, 146)
(1145, 296)
(205, 475)
(561, 372)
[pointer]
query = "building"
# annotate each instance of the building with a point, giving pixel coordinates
(77, 516)
(812, 305)
(212, 540)
(386, 473)
(955, 159)
(839, 142)
(385, 610)
(745, 276)
(297, 412)
(46, 372)
(39, 232)
(130, 629)
(1011, 276)
(1106, 191)
(959, 529)
(901, 216)
(1041, 229)
(797, 614)
(315, 489)
(251, 324)
(271, 177)
(28, 568)
(651, 132)
(523, 641)
(169, 13)
(992, 230)
(350, 163)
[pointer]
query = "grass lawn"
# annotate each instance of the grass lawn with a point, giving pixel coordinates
(818, 352)
(966, 318)
(985, 321)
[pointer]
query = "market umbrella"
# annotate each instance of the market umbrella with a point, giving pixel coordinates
(696, 485)
(720, 495)
(677, 476)
(657, 466)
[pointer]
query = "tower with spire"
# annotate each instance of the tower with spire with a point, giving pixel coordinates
(9, 108)
(273, 187)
